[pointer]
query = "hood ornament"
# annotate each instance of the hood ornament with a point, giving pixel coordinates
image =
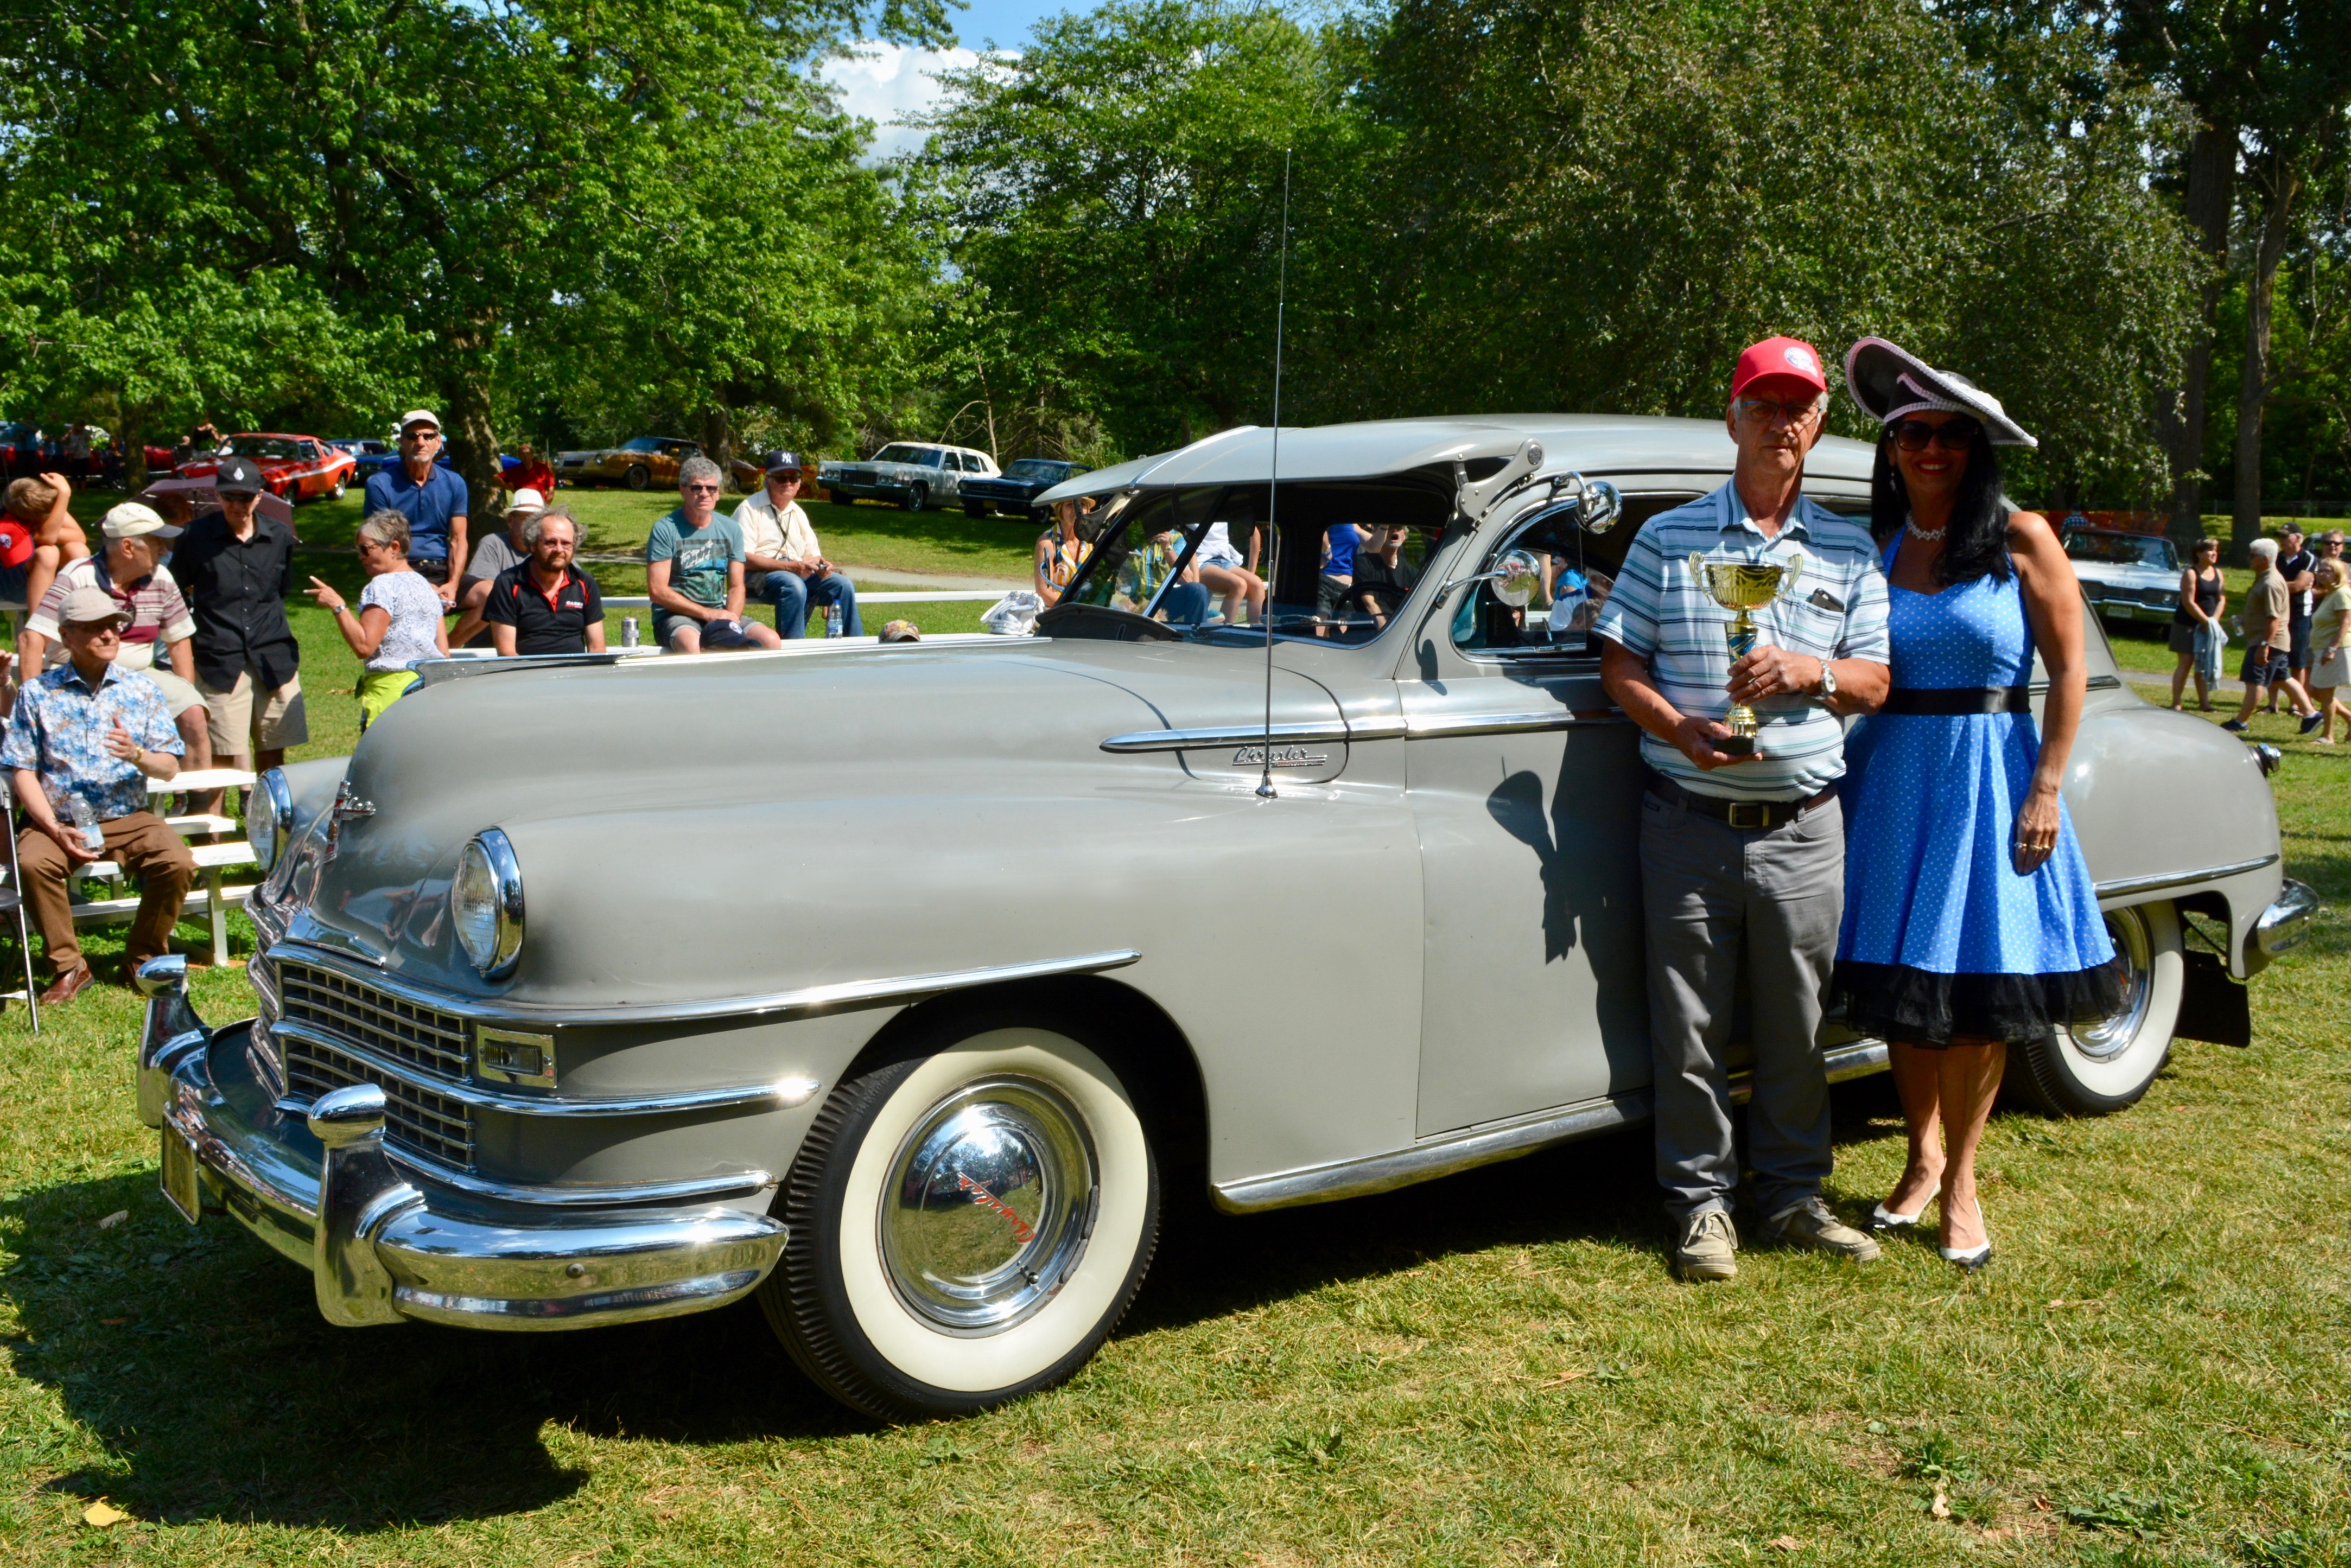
(347, 807)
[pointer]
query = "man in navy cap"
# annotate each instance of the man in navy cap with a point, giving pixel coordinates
(781, 560)
(236, 566)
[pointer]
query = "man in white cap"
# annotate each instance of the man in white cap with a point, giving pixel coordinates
(83, 741)
(501, 552)
(130, 569)
(432, 499)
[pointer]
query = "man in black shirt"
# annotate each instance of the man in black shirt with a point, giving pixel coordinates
(2297, 564)
(236, 568)
(545, 604)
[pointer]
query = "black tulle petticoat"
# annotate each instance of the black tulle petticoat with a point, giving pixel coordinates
(1917, 1007)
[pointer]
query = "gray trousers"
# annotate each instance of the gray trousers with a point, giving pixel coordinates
(1720, 903)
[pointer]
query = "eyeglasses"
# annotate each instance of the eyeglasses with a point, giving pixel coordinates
(418, 438)
(1913, 435)
(1770, 411)
(699, 489)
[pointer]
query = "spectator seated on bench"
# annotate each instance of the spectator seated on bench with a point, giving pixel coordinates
(545, 604)
(83, 741)
(130, 570)
(694, 571)
(782, 561)
(37, 536)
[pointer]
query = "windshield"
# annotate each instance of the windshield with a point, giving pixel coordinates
(927, 456)
(1338, 569)
(1037, 468)
(642, 443)
(263, 446)
(2121, 550)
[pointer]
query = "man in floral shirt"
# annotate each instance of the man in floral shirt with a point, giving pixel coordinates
(84, 740)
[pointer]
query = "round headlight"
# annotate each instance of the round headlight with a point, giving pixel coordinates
(487, 903)
(268, 818)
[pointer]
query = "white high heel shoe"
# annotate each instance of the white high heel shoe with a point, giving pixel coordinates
(1970, 1258)
(1884, 1219)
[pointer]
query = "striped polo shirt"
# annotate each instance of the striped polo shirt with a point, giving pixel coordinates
(1835, 610)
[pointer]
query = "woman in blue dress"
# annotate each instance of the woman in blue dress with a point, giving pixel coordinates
(1971, 923)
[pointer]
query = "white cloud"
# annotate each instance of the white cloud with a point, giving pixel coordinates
(885, 83)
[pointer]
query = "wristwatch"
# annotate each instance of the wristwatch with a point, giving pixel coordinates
(1828, 680)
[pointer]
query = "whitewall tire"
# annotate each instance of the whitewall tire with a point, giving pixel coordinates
(968, 1224)
(2092, 1070)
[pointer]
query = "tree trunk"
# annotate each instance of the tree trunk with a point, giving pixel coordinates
(473, 444)
(131, 440)
(2211, 197)
(719, 438)
(2253, 388)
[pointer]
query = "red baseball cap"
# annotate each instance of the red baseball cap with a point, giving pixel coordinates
(1779, 360)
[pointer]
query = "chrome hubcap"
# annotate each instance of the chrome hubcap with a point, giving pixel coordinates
(990, 1201)
(2135, 967)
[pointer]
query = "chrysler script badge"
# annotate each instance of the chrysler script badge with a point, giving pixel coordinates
(1283, 758)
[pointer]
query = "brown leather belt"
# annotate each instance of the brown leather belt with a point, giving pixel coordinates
(1746, 816)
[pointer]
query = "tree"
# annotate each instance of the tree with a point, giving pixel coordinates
(450, 166)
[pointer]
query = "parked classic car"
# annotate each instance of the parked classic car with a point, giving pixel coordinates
(913, 475)
(1164, 909)
(297, 467)
(640, 462)
(1015, 491)
(2129, 576)
(368, 456)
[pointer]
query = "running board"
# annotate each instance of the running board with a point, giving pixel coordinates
(1449, 1153)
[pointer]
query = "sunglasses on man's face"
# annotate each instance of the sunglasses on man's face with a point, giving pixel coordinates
(699, 489)
(1913, 435)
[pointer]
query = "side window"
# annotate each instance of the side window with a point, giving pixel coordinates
(952, 463)
(1578, 572)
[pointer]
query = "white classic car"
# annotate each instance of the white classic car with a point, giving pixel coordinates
(915, 475)
(2127, 576)
(910, 1033)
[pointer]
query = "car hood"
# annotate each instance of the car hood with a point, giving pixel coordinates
(2116, 572)
(623, 787)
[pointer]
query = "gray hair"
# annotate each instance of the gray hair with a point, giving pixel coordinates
(530, 530)
(2262, 549)
(388, 526)
(695, 470)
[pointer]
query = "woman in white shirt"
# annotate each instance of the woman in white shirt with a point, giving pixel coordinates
(398, 624)
(1228, 575)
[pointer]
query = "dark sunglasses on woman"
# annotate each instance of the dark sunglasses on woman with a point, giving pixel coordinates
(1912, 435)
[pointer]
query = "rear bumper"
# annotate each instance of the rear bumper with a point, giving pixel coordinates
(2282, 925)
(381, 1244)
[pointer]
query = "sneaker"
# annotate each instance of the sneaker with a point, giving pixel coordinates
(1707, 1249)
(2234, 727)
(1810, 1224)
(2312, 721)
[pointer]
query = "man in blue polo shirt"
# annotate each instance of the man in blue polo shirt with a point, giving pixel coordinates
(432, 499)
(1742, 853)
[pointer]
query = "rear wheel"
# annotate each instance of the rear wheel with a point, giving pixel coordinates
(342, 483)
(918, 498)
(2094, 1070)
(974, 508)
(968, 1223)
(638, 476)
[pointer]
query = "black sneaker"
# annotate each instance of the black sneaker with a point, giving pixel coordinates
(2235, 726)
(2311, 722)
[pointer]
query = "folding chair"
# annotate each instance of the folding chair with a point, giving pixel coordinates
(11, 902)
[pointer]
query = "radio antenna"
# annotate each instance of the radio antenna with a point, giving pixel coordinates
(1265, 789)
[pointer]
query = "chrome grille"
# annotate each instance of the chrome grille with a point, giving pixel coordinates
(435, 1125)
(354, 1011)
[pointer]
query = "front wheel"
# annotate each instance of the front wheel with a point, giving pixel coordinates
(967, 1225)
(974, 508)
(918, 498)
(2094, 1070)
(638, 476)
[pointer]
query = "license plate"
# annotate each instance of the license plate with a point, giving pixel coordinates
(180, 1183)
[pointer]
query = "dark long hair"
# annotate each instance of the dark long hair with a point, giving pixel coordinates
(1977, 542)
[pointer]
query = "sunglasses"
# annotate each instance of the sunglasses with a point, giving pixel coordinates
(1915, 435)
(699, 489)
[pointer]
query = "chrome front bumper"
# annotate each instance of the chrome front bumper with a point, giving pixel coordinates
(314, 1181)
(2284, 924)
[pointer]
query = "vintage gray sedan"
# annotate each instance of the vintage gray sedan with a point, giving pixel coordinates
(654, 1006)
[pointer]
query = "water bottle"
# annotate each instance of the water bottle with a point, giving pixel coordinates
(833, 620)
(92, 837)
(628, 631)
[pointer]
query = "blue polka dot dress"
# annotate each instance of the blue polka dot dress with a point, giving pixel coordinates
(1942, 937)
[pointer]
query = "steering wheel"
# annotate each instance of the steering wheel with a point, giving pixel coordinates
(1105, 623)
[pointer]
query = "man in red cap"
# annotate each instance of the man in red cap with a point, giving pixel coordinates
(1742, 844)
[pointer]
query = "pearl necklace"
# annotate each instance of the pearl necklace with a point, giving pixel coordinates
(1927, 534)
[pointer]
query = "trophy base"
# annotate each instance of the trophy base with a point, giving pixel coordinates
(1736, 745)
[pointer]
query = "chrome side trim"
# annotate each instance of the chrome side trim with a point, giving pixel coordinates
(1449, 1153)
(1221, 735)
(781, 1094)
(1438, 726)
(807, 1001)
(2125, 887)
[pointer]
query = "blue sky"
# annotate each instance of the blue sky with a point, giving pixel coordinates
(885, 81)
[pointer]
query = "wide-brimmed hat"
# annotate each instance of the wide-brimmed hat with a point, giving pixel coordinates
(89, 606)
(1888, 383)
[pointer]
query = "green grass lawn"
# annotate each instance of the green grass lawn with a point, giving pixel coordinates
(1493, 1368)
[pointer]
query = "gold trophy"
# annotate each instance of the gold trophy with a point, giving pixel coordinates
(1740, 587)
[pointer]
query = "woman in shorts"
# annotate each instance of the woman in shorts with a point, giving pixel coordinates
(398, 624)
(2196, 633)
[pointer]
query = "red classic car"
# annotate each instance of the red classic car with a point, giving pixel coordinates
(297, 467)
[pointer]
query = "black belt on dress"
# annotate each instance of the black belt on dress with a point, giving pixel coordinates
(1946, 702)
(1748, 816)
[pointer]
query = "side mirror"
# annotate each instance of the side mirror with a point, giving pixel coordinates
(1602, 507)
(1516, 576)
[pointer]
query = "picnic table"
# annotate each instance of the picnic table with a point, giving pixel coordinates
(212, 859)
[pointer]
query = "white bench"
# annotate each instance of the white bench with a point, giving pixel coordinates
(212, 899)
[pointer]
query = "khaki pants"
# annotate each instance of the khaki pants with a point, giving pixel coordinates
(142, 844)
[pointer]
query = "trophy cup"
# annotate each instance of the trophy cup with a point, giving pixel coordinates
(1740, 587)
